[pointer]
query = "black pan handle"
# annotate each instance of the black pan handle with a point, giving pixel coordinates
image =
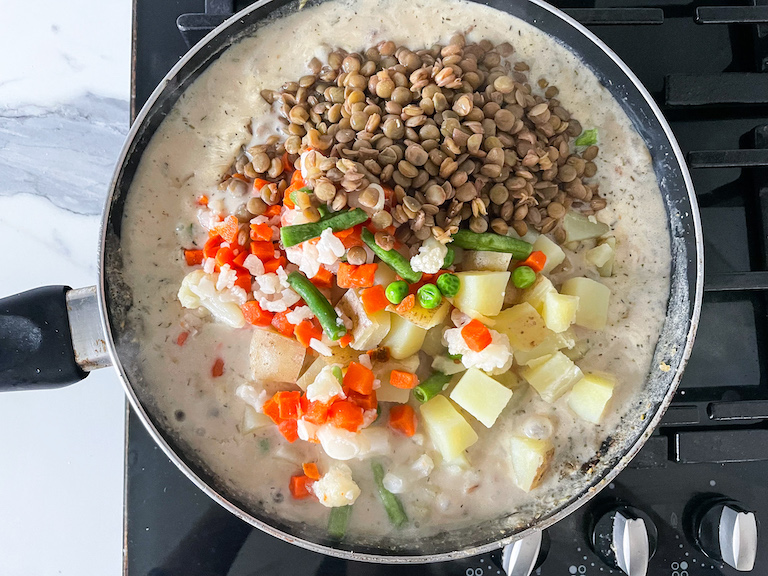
(36, 350)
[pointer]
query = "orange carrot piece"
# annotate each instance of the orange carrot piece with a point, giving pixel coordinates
(228, 229)
(359, 378)
(274, 264)
(288, 404)
(259, 183)
(243, 280)
(310, 468)
(403, 419)
(306, 330)
(365, 401)
(181, 338)
(264, 250)
(281, 324)
(344, 275)
(273, 211)
(361, 276)
(287, 166)
(261, 231)
(344, 414)
(218, 368)
(255, 315)
(535, 261)
(345, 340)
(374, 299)
(193, 257)
(323, 278)
(300, 487)
(297, 179)
(203, 200)
(402, 379)
(317, 413)
(289, 430)
(406, 305)
(351, 236)
(272, 409)
(212, 246)
(476, 335)
(224, 255)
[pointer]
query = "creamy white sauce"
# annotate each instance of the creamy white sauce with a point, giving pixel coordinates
(195, 145)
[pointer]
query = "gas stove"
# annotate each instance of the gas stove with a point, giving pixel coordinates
(692, 500)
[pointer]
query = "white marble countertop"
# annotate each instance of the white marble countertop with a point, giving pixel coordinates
(64, 87)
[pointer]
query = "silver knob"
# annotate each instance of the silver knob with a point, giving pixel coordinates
(519, 557)
(727, 532)
(630, 540)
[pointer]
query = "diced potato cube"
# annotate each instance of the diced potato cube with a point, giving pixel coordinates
(536, 294)
(253, 420)
(579, 227)
(559, 311)
(311, 373)
(423, 317)
(482, 292)
(433, 342)
(552, 376)
(449, 431)
(483, 260)
(553, 252)
(530, 460)
(593, 298)
(447, 366)
(481, 396)
(579, 349)
(275, 357)
(590, 395)
(606, 269)
(367, 331)
(387, 392)
(404, 338)
(523, 326)
(552, 344)
(599, 255)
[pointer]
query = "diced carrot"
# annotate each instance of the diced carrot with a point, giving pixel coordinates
(317, 413)
(374, 299)
(345, 340)
(476, 335)
(274, 264)
(255, 315)
(273, 211)
(240, 258)
(261, 231)
(323, 278)
(301, 487)
(272, 409)
(365, 401)
(536, 261)
(264, 250)
(288, 403)
(287, 166)
(218, 368)
(406, 305)
(212, 246)
(289, 430)
(241, 177)
(402, 379)
(359, 378)
(259, 183)
(243, 280)
(281, 324)
(297, 179)
(351, 236)
(361, 276)
(310, 468)
(228, 229)
(344, 414)
(224, 255)
(403, 419)
(306, 330)
(181, 338)
(203, 200)
(193, 257)
(287, 200)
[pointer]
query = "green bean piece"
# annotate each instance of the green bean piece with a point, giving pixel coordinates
(329, 319)
(431, 387)
(520, 249)
(391, 258)
(587, 138)
(450, 256)
(338, 521)
(292, 235)
(295, 193)
(429, 296)
(455, 357)
(448, 284)
(392, 503)
(523, 277)
(323, 210)
(396, 291)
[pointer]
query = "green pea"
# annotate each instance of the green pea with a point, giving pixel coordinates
(429, 296)
(396, 291)
(337, 372)
(448, 284)
(450, 256)
(523, 277)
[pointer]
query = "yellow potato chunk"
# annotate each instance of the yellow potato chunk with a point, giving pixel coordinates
(481, 396)
(482, 292)
(590, 396)
(593, 302)
(550, 345)
(449, 431)
(274, 357)
(537, 294)
(552, 376)
(559, 311)
(367, 331)
(253, 420)
(524, 327)
(484, 260)
(530, 460)
(383, 371)
(552, 251)
(404, 338)
(424, 318)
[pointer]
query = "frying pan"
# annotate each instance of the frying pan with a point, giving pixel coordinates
(54, 336)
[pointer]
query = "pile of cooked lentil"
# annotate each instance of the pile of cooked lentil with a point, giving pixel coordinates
(456, 134)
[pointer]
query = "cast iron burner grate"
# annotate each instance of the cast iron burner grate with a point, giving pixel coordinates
(707, 67)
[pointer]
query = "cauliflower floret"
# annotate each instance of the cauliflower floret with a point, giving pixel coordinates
(430, 257)
(336, 487)
(252, 397)
(254, 265)
(306, 430)
(198, 289)
(423, 466)
(325, 386)
(305, 256)
(329, 248)
(298, 314)
(226, 279)
(495, 358)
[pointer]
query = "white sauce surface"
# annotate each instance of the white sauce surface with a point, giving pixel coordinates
(197, 143)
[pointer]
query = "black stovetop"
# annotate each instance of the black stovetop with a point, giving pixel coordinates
(711, 80)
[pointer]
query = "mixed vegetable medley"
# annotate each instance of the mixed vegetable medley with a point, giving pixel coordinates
(391, 252)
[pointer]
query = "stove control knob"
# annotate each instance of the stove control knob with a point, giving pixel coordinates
(625, 538)
(522, 557)
(726, 531)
